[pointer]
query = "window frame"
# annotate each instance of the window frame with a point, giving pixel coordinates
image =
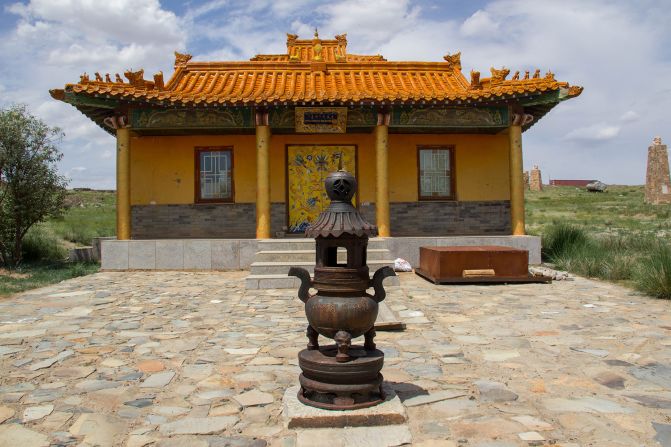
(197, 191)
(453, 193)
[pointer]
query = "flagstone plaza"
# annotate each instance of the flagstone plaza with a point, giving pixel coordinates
(195, 359)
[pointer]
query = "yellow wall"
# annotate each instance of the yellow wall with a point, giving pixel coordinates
(481, 163)
(162, 168)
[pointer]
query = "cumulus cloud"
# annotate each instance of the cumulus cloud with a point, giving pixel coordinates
(479, 24)
(596, 132)
(53, 41)
(629, 116)
(615, 49)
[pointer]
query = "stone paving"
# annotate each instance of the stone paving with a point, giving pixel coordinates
(193, 359)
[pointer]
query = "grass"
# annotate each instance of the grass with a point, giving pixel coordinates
(612, 236)
(89, 214)
(618, 211)
(33, 275)
(45, 248)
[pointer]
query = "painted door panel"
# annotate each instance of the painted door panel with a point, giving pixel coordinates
(307, 168)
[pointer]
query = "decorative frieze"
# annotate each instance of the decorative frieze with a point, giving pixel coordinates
(231, 118)
(445, 117)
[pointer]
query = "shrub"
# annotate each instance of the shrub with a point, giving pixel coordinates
(560, 239)
(39, 245)
(31, 189)
(653, 275)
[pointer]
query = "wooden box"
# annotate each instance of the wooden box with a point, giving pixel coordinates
(464, 264)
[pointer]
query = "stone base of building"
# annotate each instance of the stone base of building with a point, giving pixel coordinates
(238, 254)
(232, 220)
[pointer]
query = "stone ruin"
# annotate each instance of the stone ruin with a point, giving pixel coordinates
(535, 180)
(657, 182)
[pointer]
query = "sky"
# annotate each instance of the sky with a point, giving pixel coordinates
(619, 51)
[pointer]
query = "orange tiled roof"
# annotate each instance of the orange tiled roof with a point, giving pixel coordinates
(316, 70)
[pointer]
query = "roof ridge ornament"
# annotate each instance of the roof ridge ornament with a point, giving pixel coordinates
(499, 75)
(341, 49)
(453, 60)
(317, 48)
(475, 80)
(181, 59)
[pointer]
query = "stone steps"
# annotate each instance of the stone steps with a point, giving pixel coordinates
(276, 256)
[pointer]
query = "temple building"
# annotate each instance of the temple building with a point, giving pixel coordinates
(236, 150)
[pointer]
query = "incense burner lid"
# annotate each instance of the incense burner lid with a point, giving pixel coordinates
(341, 217)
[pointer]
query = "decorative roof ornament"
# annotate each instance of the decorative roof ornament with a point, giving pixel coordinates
(657, 141)
(84, 78)
(475, 80)
(108, 78)
(158, 80)
(341, 50)
(317, 48)
(516, 76)
(181, 59)
(135, 78)
(453, 60)
(537, 73)
(99, 78)
(575, 90)
(499, 75)
(118, 79)
(550, 76)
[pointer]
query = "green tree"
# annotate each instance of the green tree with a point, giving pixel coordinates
(30, 188)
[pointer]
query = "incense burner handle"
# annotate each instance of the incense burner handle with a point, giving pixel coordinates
(306, 282)
(376, 282)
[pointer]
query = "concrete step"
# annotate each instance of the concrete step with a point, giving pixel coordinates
(282, 267)
(307, 244)
(309, 255)
(255, 282)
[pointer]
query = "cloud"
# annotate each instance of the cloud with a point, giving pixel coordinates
(629, 116)
(51, 42)
(480, 24)
(596, 132)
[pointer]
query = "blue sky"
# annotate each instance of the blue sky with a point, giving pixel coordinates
(618, 50)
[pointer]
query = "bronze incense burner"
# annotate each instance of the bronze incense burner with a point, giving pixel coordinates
(341, 376)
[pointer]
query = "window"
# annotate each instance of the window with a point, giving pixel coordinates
(436, 172)
(214, 174)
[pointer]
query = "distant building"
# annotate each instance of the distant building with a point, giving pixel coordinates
(580, 183)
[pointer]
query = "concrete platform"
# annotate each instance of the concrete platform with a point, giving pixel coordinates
(298, 415)
(239, 254)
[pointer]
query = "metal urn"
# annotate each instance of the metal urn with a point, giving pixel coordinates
(341, 376)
